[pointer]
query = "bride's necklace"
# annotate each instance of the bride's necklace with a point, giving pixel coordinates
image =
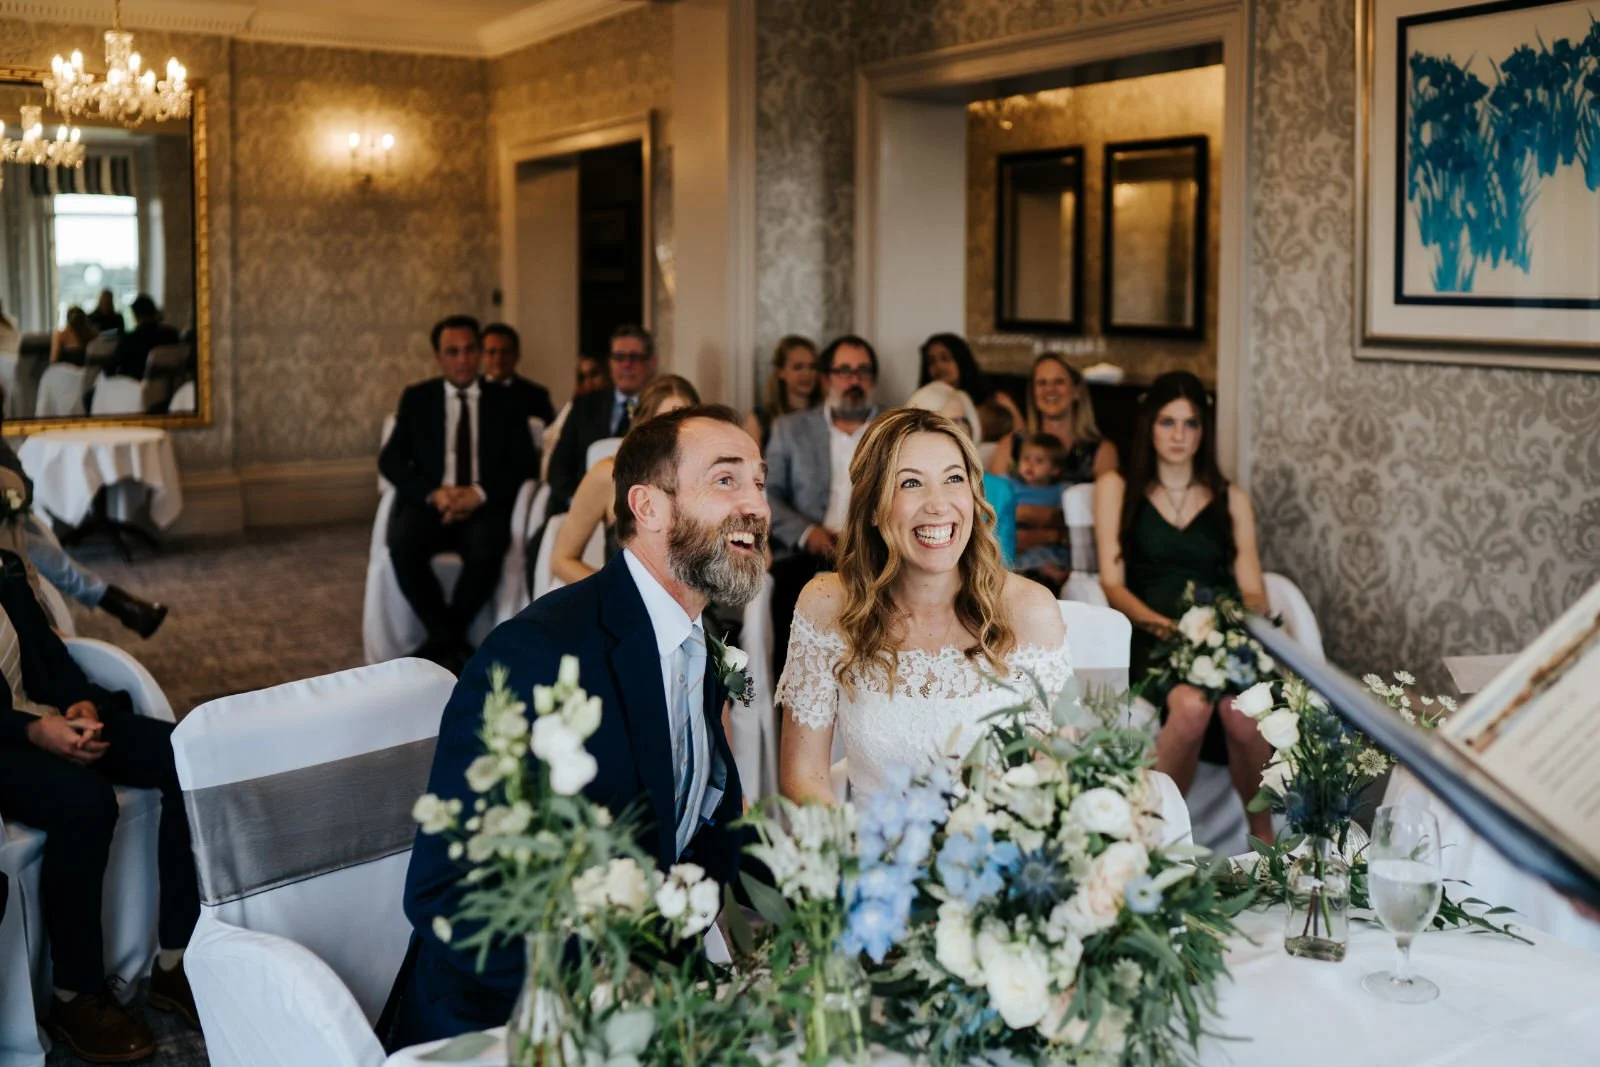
(1178, 502)
(937, 639)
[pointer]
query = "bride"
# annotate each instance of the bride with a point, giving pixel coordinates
(901, 648)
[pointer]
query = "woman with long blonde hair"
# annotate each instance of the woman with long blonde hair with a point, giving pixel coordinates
(900, 648)
(1058, 404)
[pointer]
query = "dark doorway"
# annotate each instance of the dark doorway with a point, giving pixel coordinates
(610, 243)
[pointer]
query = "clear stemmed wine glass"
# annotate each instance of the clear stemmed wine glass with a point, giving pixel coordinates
(1404, 883)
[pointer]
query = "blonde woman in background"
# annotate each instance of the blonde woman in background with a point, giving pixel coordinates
(1058, 404)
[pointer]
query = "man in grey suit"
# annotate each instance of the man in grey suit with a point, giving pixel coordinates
(808, 477)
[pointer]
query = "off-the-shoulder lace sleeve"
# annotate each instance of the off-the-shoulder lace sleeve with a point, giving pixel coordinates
(808, 689)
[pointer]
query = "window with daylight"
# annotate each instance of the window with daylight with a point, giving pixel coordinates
(97, 247)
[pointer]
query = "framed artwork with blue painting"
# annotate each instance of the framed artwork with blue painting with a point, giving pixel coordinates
(1478, 171)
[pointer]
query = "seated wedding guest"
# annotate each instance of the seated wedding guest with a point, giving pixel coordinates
(1174, 520)
(64, 744)
(594, 504)
(10, 338)
(956, 406)
(808, 477)
(1058, 404)
(1043, 553)
(995, 419)
(457, 457)
(67, 574)
(596, 416)
(105, 315)
(67, 344)
(793, 385)
(592, 377)
(946, 357)
(149, 332)
(502, 347)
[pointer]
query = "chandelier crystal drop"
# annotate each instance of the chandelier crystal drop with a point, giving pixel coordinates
(66, 150)
(128, 93)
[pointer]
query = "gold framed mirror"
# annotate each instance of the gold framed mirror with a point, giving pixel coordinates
(131, 222)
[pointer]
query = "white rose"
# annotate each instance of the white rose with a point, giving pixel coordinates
(432, 814)
(1017, 978)
(1104, 811)
(1101, 895)
(582, 717)
(735, 659)
(705, 901)
(1086, 915)
(572, 772)
(553, 740)
(1277, 776)
(1214, 639)
(687, 873)
(1281, 729)
(1255, 701)
(626, 885)
(1051, 1026)
(672, 900)
(589, 890)
(953, 943)
(483, 773)
(1203, 672)
(1197, 624)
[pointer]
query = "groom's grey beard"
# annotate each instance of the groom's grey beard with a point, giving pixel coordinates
(701, 559)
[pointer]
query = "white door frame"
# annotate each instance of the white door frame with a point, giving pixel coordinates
(566, 142)
(1225, 22)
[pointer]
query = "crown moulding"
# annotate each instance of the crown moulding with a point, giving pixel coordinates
(445, 35)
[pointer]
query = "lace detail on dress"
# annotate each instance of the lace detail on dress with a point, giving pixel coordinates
(808, 689)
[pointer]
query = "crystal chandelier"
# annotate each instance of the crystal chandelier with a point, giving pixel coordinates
(66, 150)
(128, 93)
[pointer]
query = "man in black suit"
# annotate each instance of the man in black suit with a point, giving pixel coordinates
(64, 744)
(501, 350)
(596, 416)
(133, 351)
(693, 523)
(457, 456)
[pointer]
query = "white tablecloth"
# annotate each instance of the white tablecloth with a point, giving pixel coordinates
(69, 467)
(1501, 1002)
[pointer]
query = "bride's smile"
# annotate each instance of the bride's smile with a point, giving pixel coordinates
(930, 513)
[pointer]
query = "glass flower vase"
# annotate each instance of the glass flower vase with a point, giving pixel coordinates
(534, 1034)
(835, 1024)
(1318, 926)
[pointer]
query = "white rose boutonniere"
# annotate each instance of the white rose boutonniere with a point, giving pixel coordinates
(733, 667)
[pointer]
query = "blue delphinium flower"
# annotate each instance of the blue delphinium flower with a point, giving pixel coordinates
(1241, 669)
(894, 839)
(873, 927)
(971, 866)
(1142, 895)
(1204, 597)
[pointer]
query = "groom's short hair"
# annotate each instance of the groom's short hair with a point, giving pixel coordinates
(649, 456)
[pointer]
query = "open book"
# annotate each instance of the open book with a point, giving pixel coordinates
(1520, 762)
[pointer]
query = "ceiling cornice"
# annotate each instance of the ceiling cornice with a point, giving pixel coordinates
(540, 21)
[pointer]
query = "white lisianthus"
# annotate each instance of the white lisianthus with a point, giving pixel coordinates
(705, 900)
(508, 821)
(1197, 624)
(572, 772)
(1214, 639)
(1276, 776)
(1281, 729)
(1085, 915)
(442, 929)
(627, 886)
(434, 816)
(1256, 701)
(1065, 956)
(1104, 811)
(1017, 977)
(544, 699)
(966, 817)
(483, 773)
(553, 739)
(589, 890)
(567, 672)
(582, 716)
(953, 945)
(672, 899)
(1206, 673)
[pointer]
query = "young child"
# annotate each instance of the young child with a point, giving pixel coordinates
(1042, 547)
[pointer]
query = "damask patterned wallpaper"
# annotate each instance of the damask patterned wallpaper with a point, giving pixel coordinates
(1175, 104)
(1425, 510)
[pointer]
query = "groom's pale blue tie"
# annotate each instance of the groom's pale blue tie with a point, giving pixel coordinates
(691, 694)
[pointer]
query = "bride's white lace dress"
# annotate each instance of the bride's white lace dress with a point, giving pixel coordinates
(939, 702)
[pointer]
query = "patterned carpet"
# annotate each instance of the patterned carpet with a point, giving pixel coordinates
(247, 612)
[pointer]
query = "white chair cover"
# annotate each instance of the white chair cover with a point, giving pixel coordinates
(117, 395)
(755, 728)
(1084, 589)
(544, 579)
(383, 439)
(60, 392)
(272, 1003)
(602, 449)
(131, 897)
(183, 401)
(350, 917)
(1077, 509)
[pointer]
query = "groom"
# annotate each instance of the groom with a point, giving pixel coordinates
(693, 523)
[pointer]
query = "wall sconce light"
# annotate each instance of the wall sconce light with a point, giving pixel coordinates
(370, 157)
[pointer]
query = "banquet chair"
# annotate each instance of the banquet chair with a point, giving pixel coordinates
(1077, 510)
(755, 728)
(117, 395)
(299, 801)
(60, 392)
(97, 356)
(131, 897)
(161, 372)
(33, 356)
(184, 399)
(604, 448)
(594, 554)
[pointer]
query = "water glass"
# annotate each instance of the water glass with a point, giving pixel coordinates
(1404, 883)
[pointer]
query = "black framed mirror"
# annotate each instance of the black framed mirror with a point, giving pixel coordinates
(1154, 247)
(1039, 241)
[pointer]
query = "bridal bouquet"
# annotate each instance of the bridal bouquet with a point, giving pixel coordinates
(1210, 649)
(546, 866)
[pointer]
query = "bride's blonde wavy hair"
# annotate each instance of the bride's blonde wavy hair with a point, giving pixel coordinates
(869, 565)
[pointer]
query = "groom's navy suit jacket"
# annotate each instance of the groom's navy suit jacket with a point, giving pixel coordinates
(602, 621)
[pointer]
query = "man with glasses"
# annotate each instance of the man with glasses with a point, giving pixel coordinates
(808, 477)
(596, 416)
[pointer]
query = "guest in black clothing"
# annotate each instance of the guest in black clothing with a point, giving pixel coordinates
(596, 416)
(946, 357)
(501, 350)
(133, 351)
(457, 457)
(64, 744)
(105, 315)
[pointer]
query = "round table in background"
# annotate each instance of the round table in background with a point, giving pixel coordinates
(98, 478)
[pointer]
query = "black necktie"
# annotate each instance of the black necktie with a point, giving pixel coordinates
(463, 441)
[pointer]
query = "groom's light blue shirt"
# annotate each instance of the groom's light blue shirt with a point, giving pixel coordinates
(683, 681)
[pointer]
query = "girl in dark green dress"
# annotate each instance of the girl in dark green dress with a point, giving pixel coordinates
(1173, 520)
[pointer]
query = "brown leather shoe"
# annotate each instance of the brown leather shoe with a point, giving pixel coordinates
(169, 991)
(99, 1030)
